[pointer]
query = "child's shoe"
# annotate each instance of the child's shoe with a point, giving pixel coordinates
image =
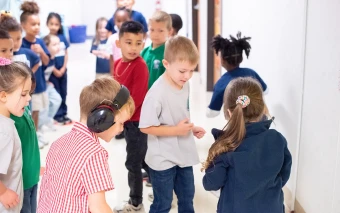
(129, 208)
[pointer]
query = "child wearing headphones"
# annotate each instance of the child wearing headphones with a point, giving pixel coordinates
(77, 170)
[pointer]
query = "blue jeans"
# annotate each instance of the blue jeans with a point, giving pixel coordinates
(54, 99)
(60, 84)
(165, 182)
(30, 200)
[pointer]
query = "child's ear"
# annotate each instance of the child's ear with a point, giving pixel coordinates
(165, 63)
(118, 43)
(3, 96)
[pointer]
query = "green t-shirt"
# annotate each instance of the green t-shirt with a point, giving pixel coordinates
(30, 149)
(153, 59)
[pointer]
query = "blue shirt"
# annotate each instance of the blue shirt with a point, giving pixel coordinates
(48, 69)
(218, 92)
(252, 177)
(26, 56)
(135, 16)
(102, 64)
(39, 74)
(60, 57)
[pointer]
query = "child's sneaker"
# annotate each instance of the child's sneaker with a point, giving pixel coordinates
(67, 120)
(41, 138)
(41, 144)
(51, 126)
(129, 208)
(150, 197)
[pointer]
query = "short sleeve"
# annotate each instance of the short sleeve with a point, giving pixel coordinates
(96, 175)
(63, 39)
(143, 22)
(93, 47)
(217, 99)
(151, 111)
(34, 58)
(6, 150)
(264, 85)
(110, 26)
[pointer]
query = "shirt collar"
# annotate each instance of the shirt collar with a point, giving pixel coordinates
(79, 127)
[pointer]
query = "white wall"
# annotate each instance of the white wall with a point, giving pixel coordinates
(304, 87)
(277, 56)
(318, 188)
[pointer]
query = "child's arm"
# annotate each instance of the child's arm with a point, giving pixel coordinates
(111, 65)
(45, 59)
(215, 103)
(181, 129)
(8, 198)
(35, 67)
(97, 203)
(216, 175)
(287, 165)
(63, 68)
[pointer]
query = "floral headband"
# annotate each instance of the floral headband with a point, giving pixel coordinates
(243, 100)
(4, 61)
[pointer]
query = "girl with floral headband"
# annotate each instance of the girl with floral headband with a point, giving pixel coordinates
(248, 162)
(15, 87)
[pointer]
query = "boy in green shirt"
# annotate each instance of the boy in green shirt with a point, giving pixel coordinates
(159, 30)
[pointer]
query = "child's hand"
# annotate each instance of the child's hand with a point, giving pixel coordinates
(37, 48)
(184, 127)
(62, 71)
(9, 199)
(199, 132)
(57, 73)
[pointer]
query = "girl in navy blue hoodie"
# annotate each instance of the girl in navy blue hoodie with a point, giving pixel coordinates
(248, 162)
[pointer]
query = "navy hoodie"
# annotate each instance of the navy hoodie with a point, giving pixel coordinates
(251, 178)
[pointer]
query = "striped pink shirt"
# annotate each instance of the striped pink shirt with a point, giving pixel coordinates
(76, 166)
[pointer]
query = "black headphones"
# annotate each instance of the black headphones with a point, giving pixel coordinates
(102, 117)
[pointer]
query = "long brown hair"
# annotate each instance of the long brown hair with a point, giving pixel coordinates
(96, 38)
(235, 130)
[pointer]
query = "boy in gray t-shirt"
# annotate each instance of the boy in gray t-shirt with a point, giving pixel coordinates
(165, 118)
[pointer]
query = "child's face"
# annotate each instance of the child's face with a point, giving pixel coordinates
(54, 46)
(32, 25)
(117, 128)
(17, 40)
(125, 3)
(158, 32)
(179, 71)
(6, 48)
(131, 45)
(102, 31)
(121, 17)
(19, 98)
(53, 25)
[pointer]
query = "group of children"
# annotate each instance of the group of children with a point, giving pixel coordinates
(147, 98)
(39, 64)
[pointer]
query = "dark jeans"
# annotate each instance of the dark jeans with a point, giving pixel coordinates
(165, 182)
(30, 200)
(60, 84)
(136, 146)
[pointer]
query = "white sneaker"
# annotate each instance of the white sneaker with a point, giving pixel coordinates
(51, 126)
(150, 197)
(128, 208)
(41, 138)
(41, 144)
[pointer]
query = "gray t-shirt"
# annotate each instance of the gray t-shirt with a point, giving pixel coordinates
(11, 161)
(165, 105)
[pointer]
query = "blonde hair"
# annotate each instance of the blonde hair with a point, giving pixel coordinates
(96, 38)
(105, 88)
(180, 48)
(12, 72)
(235, 130)
(161, 16)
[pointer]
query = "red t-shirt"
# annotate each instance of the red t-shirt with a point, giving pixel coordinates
(134, 75)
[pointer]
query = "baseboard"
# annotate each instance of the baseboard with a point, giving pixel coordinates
(288, 197)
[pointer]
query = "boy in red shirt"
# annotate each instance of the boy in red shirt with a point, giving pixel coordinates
(132, 72)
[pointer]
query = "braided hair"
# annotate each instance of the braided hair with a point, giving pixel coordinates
(231, 49)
